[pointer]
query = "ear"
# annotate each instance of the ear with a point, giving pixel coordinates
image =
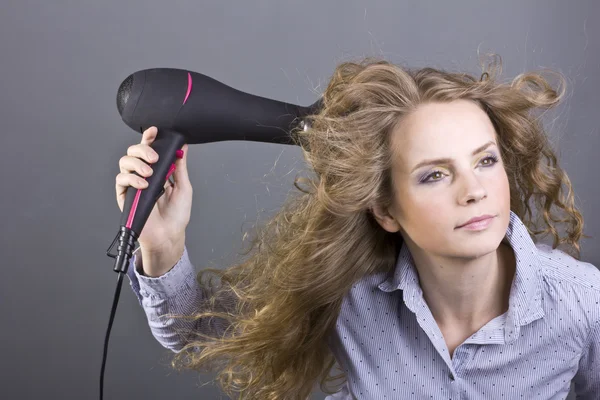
(385, 219)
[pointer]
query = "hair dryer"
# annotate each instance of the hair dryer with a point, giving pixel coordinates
(187, 107)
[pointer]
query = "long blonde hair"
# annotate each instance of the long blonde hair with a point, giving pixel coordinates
(302, 262)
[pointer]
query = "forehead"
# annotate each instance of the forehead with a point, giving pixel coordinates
(439, 130)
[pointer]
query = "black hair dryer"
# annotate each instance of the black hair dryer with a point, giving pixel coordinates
(188, 107)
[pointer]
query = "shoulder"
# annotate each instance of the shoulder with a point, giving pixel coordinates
(570, 287)
(558, 265)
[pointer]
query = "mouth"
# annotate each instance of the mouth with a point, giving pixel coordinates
(477, 222)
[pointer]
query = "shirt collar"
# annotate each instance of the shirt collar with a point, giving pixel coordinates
(525, 303)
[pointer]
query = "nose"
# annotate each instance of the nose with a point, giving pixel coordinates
(471, 188)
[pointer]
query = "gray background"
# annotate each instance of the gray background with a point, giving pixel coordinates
(61, 64)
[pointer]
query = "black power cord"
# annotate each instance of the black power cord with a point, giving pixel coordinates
(110, 322)
(127, 239)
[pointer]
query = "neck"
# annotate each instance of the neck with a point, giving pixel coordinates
(467, 294)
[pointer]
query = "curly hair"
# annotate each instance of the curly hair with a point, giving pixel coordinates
(302, 262)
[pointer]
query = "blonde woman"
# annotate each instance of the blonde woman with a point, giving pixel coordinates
(409, 260)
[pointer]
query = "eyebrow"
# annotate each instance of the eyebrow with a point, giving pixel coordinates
(449, 160)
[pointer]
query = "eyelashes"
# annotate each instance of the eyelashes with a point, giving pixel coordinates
(425, 179)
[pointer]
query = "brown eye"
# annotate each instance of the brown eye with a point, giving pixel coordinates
(493, 160)
(428, 179)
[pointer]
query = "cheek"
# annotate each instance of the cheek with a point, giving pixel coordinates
(423, 203)
(424, 215)
(503, 187)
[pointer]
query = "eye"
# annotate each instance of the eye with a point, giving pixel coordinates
(493, 160)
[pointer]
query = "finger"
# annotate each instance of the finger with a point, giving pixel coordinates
(149, 135)
(143, 151)
(181, 175)
(129, 164)
(123, 182)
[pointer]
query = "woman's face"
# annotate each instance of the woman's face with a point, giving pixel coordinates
(433, 199)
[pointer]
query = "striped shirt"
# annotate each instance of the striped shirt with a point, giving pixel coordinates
(390, 346)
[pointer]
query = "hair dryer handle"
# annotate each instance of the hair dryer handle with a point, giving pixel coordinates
(140, 202)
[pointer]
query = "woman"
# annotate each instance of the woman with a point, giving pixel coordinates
(371, 265)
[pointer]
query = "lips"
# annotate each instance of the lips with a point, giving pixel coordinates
(476, 219)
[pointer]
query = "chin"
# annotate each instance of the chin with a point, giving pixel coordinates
(480, 244)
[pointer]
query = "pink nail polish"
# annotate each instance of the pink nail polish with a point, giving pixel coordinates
(179, 154)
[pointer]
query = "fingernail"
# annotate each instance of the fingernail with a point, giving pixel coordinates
(179, 154)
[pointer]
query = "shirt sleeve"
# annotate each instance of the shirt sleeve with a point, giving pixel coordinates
(587, 379)
(176, 292)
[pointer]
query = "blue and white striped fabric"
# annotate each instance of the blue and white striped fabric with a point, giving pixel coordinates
(389, 345)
